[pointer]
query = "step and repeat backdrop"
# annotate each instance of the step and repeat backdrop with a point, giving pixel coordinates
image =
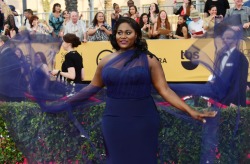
(176, 66)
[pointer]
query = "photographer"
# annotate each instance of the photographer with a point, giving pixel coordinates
(99, 30)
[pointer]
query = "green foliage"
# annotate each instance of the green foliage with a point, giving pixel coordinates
(50, 137)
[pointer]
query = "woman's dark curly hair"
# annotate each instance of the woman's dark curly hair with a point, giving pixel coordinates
(140, 44)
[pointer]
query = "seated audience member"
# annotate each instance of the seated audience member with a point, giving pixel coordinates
(209, 22)
(99, 30)
(76, 26)
(132, 12)
(182, 29)
(162, 28)
(145, 26)
(195, 26)
(39, 27)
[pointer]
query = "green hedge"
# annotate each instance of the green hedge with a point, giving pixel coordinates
(51, 138)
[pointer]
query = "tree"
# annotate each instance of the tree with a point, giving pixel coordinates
(71, 5)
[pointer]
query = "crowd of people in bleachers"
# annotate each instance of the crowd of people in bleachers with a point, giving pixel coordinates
(154, 25)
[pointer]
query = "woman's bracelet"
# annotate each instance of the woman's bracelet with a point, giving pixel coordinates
(58, 73)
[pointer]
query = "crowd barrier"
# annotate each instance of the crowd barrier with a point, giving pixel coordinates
(176, 66)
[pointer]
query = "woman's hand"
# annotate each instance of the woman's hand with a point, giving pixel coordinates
(201, 116)
(54, 72)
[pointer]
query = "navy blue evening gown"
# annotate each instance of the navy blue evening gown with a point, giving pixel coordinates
(130, 121)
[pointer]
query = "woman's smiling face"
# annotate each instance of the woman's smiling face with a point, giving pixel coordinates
(125, 36)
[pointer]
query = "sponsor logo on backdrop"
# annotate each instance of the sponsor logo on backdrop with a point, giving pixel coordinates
(102, 54)
(188, 65)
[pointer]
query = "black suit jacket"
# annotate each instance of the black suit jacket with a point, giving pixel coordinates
(231, 83)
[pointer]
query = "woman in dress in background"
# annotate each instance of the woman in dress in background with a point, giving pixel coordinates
(99, 30)
(56, 19)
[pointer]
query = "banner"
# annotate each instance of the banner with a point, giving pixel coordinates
(170, 52)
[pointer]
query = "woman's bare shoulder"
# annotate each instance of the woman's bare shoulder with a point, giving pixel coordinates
(107, 58)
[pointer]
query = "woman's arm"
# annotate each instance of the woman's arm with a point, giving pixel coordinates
(160, 84)
(108, 32)
(155, 32)
(92, 30)
(82, 74)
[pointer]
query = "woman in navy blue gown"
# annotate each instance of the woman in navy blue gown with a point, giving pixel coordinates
(130, 122)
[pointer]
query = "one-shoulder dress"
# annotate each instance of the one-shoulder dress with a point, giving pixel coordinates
(130, 121)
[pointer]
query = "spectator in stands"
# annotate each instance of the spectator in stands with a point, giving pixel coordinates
(8, 16)
(16, 15)
(192, 7)
(130, 3)
(244, 13)
(41, 27)
(66, 17)
(76, 26)
(28, 13)
(182, 29)
(132, 13)
(209, 22)
(116, 15)
(99, 30)
(221, 5)
(56, 19)
(195, 26)
(153, 14)
(184, 9)
(145, 26)
(162, 28)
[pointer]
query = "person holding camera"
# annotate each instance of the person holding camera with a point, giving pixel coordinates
(99, 30)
